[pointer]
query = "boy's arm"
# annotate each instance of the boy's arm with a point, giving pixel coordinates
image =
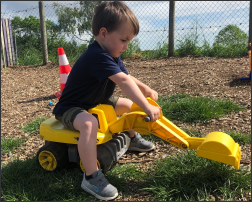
(146, 90)
(132, 91)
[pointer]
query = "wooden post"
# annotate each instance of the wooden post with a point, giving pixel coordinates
(171, 28)
(8, 40)
(3, 47)
(250, 31)
(11, 42)
(43, 32)
(5, 42)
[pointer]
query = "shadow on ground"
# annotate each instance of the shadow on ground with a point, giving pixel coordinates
(239, 82)
(39, 99)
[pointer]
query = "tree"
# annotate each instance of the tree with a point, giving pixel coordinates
(78, 18)
(28, 38)
(231, 35)
(28, 31)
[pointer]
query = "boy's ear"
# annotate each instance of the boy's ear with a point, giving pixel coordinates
(102, 33)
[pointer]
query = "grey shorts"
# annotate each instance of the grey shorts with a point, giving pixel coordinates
(69, 115)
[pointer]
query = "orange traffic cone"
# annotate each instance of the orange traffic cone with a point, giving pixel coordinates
(64, 70)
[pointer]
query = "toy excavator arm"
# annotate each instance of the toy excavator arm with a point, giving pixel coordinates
(216, 146)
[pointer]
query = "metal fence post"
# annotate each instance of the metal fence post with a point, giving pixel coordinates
(250, 31)
(43, 32)
(171, 28)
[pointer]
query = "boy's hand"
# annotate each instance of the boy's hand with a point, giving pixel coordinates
(153, 112)
(151, 93)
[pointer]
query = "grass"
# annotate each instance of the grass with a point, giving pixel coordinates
(239, 137)
(191, 178)
(185, 108)
(183, 177)
(33, 126)
(9, 144)
(176, 178)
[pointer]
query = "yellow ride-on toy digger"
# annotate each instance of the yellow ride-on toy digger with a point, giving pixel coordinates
(113, 140)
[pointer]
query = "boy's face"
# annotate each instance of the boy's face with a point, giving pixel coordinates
(116, 42)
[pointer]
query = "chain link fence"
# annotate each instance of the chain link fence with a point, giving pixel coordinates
(201, 28)
(216, 26)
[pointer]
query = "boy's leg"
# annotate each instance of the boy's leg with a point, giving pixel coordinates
(94, 181)
(123, 105)
(88, 126)
(137, 142)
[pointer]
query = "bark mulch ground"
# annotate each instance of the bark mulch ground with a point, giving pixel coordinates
(27, 90)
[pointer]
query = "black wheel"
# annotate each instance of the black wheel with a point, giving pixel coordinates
(105, 158)
(53, 156)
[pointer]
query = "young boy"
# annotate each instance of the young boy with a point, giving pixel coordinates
(92, 81)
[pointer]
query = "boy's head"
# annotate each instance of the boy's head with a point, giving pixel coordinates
(110, 14)
(114, 25)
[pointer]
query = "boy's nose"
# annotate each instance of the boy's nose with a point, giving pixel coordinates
(126, 47)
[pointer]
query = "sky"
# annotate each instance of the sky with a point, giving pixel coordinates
(208, 16)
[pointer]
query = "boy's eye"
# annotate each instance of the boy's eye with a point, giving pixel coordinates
(123, 40)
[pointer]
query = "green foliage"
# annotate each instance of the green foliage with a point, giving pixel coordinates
(33, 126)
(29, 42)
(239, 137)
(30, 56)
(162, 49)
(231, 34)
(184, 177)
(27, 33)
(71, 18)
(230, 51)
(206, 49)
(231, 41)
(188, 46)
(187, 177)
(183, 107)
(9, 144)
(133, 47)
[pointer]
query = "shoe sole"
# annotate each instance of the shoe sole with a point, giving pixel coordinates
(98, 196)
(139, 149)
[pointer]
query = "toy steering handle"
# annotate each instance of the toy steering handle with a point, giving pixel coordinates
(147, 118)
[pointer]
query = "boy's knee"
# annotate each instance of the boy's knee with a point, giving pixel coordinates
(123, 105)
(85, 121)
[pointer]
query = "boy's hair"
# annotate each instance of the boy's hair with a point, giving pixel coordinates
(111, 14)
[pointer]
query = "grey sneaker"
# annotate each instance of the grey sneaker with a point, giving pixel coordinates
(99, 186)
(140, 144)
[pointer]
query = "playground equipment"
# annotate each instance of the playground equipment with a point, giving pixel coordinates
(248, 78)
(113, 140)
(64, 70)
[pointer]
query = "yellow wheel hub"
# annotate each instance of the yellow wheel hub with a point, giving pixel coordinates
(82, 168)
(47, 160)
